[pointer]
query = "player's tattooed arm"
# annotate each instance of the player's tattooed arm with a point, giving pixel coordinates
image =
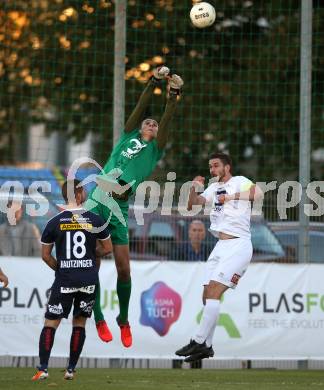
(3, 278)
(138, 112)
(47, 256)
(174, 89)
(194, 198)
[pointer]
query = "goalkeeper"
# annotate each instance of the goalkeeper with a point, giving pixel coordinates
(132, 160)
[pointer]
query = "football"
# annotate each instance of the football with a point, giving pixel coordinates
(202, 15)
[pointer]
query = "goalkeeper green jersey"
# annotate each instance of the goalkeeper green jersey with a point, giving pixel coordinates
(135, 158)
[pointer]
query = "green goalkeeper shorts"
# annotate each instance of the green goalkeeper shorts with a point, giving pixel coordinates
(118, 220)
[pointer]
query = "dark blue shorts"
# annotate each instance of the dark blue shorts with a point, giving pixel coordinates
(61, 299)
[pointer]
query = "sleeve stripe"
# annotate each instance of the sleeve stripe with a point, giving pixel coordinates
(47, 243)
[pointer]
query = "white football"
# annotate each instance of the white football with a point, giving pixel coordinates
(202, 15)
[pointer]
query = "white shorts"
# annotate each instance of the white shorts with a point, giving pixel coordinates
(228, 261)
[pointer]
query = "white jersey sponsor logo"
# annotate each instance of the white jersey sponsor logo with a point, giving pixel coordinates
(135, 148)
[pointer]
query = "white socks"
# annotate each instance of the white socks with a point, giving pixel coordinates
(209, 340)
(208, 322)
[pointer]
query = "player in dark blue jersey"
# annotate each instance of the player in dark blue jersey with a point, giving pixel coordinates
(80, 241)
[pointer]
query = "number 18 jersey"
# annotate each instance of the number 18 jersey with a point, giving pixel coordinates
(74, 233)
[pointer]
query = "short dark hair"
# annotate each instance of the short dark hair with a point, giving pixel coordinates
(76, 188)
(225, 159)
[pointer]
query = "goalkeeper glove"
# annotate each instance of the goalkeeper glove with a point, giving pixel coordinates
(159, 74)
(175, 84)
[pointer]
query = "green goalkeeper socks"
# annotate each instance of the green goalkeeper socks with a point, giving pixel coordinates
(124, 292)
(98, 315)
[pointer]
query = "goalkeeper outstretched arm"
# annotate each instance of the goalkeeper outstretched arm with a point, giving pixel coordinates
(137, 115)
(175, 84)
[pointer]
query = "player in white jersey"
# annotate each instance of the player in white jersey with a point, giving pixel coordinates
(229, 198)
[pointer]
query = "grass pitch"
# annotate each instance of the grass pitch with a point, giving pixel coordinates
(163, 379)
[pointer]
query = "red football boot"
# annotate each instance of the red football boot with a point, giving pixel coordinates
(125, 334)
(103, 331)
